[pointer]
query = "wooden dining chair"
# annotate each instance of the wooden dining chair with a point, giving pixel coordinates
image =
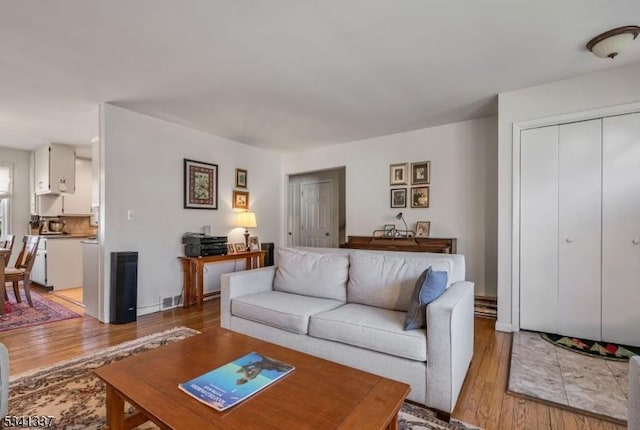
(22, 269)
(7, 244)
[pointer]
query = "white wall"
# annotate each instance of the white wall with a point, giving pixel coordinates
(463, 189)
(20, 215)
(143, 172)
(582, 93)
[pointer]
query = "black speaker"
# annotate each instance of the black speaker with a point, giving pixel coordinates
(268, 257)
(124, 287)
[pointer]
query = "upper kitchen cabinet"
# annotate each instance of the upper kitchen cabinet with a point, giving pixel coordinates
(55, 169)
(79, 203)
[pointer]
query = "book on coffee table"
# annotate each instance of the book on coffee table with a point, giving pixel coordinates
(230, 384)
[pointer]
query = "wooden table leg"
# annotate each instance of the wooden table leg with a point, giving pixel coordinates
(261, 264)
(200, 293)
(186, 283)
(393, 425)
(115, 409)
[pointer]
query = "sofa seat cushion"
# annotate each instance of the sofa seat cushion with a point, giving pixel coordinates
(286, 311)
(312, 274)
(388, 281)
(377, 329)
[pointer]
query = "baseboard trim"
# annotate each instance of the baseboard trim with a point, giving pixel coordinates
(507, 327)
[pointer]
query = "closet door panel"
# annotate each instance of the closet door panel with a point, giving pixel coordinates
(621, 230)
(579, 239)
(539, 229)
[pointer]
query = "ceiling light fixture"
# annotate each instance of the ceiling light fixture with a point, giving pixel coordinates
(610, 43)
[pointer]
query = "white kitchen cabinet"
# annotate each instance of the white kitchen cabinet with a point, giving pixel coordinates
(579, 229)
(79, 203)
(64, 263)
(54, 169)
(91, 278)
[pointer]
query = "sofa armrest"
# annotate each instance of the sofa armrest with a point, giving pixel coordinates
(449, 344)
(238, 284)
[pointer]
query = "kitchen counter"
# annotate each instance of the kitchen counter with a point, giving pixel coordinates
(67, 236)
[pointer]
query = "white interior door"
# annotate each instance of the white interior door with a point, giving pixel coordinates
(579, 240)
(621, 229)
(539, 229)
(316, 208)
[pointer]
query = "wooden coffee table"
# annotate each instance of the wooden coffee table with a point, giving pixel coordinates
(319, 394)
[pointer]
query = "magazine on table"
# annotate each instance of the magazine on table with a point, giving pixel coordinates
(230, 384)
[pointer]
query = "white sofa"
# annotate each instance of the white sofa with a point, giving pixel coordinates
(349, 306)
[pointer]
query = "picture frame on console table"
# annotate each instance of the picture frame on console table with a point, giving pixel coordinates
(231, 249)
(254, 243)
(200, 185)
(423, 228)
(419, 197)
(240, 248)
(398, 197)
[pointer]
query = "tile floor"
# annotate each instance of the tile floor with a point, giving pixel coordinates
(542, 370)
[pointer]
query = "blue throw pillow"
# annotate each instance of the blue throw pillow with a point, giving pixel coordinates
(429, 286)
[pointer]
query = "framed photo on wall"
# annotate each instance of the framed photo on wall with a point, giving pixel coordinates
(240, 199)
(419, 197)
(398, 174)
(422, 228)
(200, 185)
(241, 178)
(398, 197)
(420, 173)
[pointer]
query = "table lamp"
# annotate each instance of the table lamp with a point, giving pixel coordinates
(246, 220)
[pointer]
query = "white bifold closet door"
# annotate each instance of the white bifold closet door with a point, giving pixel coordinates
(621, 230)
(539, 229)
(579, 238)
(560, 229)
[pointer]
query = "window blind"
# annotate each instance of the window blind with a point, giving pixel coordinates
(5, 179)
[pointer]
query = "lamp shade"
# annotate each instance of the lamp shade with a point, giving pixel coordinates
(246, 220)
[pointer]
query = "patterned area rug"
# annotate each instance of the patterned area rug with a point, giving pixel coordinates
(71, 393)
(20, 315)
(610, 351)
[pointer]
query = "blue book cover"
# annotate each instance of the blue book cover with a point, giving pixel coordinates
(230, 384)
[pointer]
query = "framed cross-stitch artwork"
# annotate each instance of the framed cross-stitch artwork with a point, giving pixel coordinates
(200, 185)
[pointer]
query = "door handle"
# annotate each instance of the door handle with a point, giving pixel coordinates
(327, 234)
(290, 233)
(636, 241)
(568, 240)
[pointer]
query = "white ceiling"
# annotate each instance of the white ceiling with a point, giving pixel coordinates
(286, 74)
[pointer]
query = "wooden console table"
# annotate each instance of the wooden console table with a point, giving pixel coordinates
(193, 270)
(411, 244)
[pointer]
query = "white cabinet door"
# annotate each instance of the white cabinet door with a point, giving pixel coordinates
(539, 229)
(621, 229)
(64, 263)
(49, 205)
(579, 240)
(79, 203)
(41, 170)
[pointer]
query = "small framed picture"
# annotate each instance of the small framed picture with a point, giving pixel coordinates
(419, 197)
(389, 230)
(422, 228)
(240, 199)
(398, 174)
(420, 173)
(254, 243)
(241, 178)
(230, 248)
(398, 197)
(239, 247)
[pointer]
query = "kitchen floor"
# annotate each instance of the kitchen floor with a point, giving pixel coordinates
(73, 295)
(73, 305)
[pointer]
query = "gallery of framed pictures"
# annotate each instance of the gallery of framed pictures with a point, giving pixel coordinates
(200, 185)
(418, 175)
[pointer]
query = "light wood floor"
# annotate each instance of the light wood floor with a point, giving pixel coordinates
(483, 401)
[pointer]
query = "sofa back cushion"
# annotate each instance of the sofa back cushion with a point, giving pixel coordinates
(387, 281)
(312, 274)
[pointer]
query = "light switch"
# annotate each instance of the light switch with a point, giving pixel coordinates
(130, 214)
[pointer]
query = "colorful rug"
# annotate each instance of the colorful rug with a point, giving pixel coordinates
(70, 392)
(20, 315)
(610, 351)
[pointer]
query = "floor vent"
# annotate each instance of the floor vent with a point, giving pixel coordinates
(166, 303)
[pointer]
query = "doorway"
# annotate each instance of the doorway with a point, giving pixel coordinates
(316, 209)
